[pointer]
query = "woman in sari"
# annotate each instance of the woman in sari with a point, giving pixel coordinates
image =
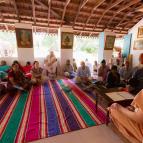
(51, 65)
(129, 121)
(17, 79)
(36, 72)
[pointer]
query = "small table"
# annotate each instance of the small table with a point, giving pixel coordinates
(100, 91)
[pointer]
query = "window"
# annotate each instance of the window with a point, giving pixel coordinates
(8, 45)
(118, 46)
(85, 48)
(44, 42)
(119, 43)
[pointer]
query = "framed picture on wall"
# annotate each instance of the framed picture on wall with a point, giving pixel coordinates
(66, 40)
(109, 43)
(138, 44)
(24, 38)
(140, 32)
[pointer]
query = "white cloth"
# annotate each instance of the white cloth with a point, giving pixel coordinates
(53, 64)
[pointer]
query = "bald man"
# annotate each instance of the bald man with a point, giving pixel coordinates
(83, 74)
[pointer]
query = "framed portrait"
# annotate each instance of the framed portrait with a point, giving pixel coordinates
(140, 32)
(66, 40)
(138, 44)
(24, 38)
(109, 43)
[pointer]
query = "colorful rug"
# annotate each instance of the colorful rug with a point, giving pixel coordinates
(54, 108)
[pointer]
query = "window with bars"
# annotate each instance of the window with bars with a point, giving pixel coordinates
(44, 42)
(8, 45)
(86, 48)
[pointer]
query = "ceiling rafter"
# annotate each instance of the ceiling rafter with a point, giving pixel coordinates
(16, 10)
(49, 10)
(134, 20)
(132, 2)
(33, 11)
(125, 16)
(1, 16)
(82, 4)
(121, 9)
(115, 14)
(45, 6)
(64, 11)
(95, 7)
(107, 9)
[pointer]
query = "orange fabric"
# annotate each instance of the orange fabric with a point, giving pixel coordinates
(138, 100)
(130, 129)
(141, 58)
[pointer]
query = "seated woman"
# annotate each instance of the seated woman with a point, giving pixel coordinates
(51, 65)
(27, 68)
(129, 121)
(103, 71)
(68, 70)
(4, 70)
(113, 78)
(83, 74)
(20, 66)
(17, 79)
(36, 72)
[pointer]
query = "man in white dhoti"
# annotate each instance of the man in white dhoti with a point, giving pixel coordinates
(51, 65)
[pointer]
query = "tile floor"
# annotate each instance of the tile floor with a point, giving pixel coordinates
(96, 134)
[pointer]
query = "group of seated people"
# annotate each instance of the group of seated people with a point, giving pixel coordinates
(22, 77)
(129, 120)
(116, 76)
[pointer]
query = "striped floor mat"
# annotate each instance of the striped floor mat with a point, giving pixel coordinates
(54, 108)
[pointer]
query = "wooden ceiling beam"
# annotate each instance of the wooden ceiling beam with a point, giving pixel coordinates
(79, 9)
(132, 2)
(64, 11)
(49, 10)
(107, 9)
(124, 19)
(131, 11)
(1, 16)
(45, 6)
(92, 11)
(16, 10)
(44, 11)
(134, 20)
(33, 11)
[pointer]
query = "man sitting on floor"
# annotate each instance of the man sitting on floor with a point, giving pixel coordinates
(113, 78)
(83, 74)
(68, 70)
(126, 72)
(50, 65)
